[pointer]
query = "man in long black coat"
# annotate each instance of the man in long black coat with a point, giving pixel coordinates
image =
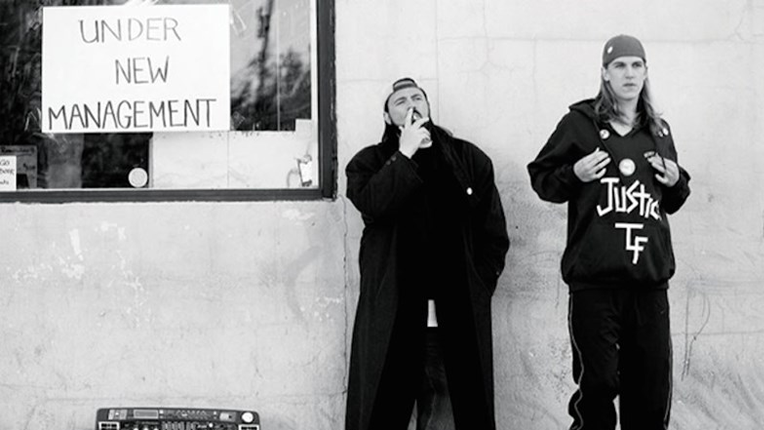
(433, 247)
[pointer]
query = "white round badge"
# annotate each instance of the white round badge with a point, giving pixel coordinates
(138, 177)
(604, 134)
(627, 167)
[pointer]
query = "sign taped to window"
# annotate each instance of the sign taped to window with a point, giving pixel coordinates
(25, 157)
(7, 173)
(135, 69)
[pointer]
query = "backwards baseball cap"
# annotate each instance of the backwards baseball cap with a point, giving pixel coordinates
(622, 46)
(401, 84)
(404, 83)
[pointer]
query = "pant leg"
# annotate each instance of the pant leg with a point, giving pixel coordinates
(470, 378)
(594, 324)
(646, 369)
(434, 400)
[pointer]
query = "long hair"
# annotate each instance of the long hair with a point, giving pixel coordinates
(390, 135)
(606, 106)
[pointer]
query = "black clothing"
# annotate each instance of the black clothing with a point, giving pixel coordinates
(439, 235)
(618, 231)
(444, 236)
(434, 401)
(617, 263)
(621, 343)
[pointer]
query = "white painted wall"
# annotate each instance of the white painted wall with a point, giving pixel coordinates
(236, 306)
(249, 305)
(502, 73)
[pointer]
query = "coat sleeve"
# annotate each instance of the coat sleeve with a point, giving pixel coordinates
(490, 229)
(675, 196)
(379, 188)
(551, 172)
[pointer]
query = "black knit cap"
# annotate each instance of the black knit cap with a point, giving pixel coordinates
(622, 46)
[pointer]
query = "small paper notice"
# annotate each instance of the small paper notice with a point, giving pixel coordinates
(7, 173)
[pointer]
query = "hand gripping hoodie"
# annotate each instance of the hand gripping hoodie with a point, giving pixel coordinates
(618, 229)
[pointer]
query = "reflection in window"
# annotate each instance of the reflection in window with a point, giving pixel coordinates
(270, 91)
(270, 64)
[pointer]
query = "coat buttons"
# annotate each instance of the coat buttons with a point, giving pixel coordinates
(469, 191)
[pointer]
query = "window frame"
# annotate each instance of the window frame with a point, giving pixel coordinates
(327, 151)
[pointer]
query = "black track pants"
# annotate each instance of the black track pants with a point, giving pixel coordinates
(621, 343)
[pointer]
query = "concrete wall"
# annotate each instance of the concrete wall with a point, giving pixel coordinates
(249, 305)
(194, 304)
(502, 73)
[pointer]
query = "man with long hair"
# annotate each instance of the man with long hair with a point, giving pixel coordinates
(613, 160)
(433, 246)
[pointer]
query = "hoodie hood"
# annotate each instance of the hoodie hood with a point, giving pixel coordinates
(585, 107)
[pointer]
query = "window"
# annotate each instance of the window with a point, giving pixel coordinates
(276, 140)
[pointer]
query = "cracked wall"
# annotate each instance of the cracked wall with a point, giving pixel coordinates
(205, 305)
(502, 74)
(249, 305)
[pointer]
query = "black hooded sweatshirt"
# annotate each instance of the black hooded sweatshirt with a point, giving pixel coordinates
(618, 229)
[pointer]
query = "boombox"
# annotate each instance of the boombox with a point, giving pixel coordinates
(175, 419)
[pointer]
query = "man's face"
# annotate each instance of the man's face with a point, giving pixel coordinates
(400, 102)
(626, 76)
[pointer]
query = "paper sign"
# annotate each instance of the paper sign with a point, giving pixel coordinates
(7, 173)
(26, 164)
(135, 68)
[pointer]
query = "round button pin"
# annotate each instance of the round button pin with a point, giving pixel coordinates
(604, 134)
(247, 417)
(627, 167)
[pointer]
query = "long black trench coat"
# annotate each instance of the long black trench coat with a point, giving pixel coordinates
(384, 186)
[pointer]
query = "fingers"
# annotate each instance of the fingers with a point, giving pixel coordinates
(667, 169)
(663, 165)
(596, 162)
(657, 165)
(413, 134)
(592, 166)
(409, 121)
(598, 156)
(601, 161)
(409, 115)
(600, 167)
(657, 160)
(419, 122)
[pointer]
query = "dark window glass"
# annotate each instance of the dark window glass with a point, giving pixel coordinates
(272, 91)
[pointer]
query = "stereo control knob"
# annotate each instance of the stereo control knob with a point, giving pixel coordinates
(247, 417)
